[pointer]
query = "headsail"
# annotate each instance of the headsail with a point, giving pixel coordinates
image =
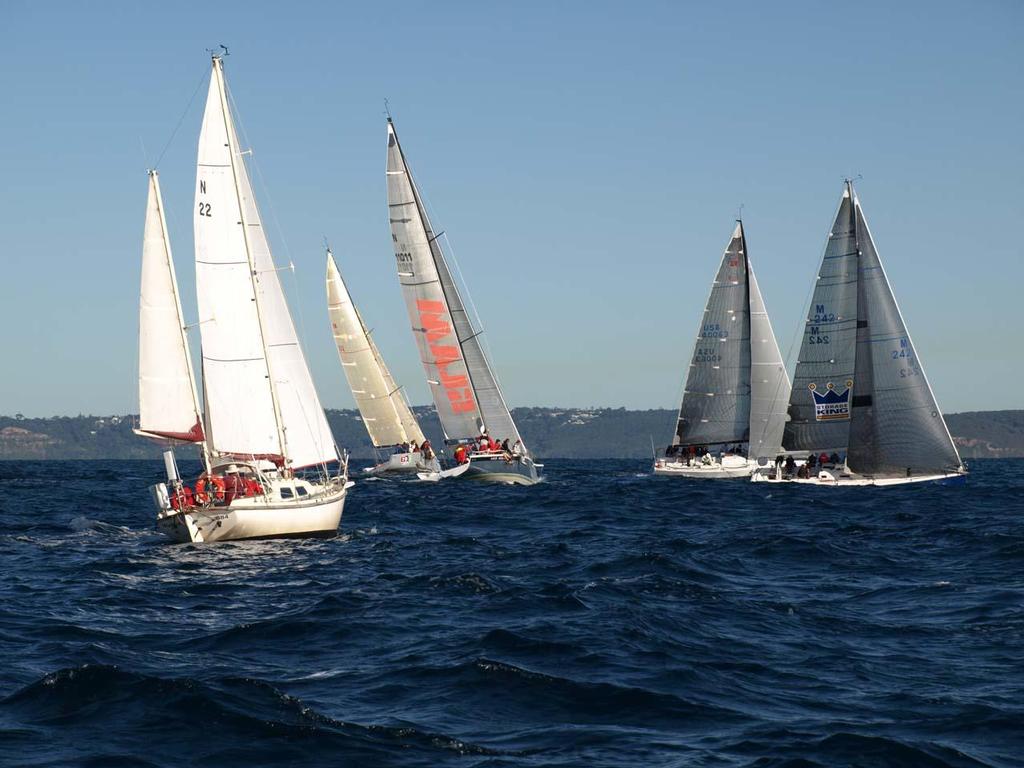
(261, 397)
(769, 382)
(385, 413)
(463, 386)
(168, 403)
(824, 383)
(896, 425)
(716, 402)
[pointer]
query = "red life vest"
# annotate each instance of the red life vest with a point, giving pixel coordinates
(200, 492)
(218, 487)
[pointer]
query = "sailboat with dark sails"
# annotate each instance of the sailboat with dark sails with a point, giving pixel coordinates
(476, 422)
(861, 409)
(733, 405)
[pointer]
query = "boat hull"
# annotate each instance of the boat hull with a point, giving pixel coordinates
(256, 518)
(403, 463)
(736, 469)
(837, 479)
(496, 469)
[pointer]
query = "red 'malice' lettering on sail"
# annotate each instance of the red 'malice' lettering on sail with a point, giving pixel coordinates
(432, 317)
(436, 327)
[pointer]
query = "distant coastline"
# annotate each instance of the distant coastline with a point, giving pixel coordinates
(573, 433)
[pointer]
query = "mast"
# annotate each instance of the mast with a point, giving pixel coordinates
(218, 72)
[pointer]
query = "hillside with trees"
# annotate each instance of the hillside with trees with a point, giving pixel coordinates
(579, 433)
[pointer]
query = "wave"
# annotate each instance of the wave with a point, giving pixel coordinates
(227, 721)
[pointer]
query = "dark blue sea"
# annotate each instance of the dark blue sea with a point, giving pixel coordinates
(602, 618)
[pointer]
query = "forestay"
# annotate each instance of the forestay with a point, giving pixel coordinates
(384, 411)
(823, 383)
(716, 402)
(896, 426)
(168, 403)
(462, 384)
(260, 395)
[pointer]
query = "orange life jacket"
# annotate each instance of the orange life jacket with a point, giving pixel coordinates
(200, 493)
(218, 487)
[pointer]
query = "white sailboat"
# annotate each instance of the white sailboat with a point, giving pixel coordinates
(263, 421)
(861, 409)
(389, 421)
(733, 406)
(466, 394)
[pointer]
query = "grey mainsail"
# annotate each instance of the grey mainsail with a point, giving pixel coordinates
(823, 383)
(462, 383)
(896, 426)
(716, 401)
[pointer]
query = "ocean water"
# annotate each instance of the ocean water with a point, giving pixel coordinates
(603, 618)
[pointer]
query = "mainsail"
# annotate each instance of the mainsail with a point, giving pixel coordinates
(260, 397)
(385, 413)
(168, 403)
(859, 386)
(823, 383)
(463, 386)
(716, 401)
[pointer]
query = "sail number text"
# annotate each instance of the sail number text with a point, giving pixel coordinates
(204, 208)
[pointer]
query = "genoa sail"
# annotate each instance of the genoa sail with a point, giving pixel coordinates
(716, 401)
(464, 388)
(823, 382)
(261, 400)
(769, 382)
(896, 426)
(168, 403)
(386, 415)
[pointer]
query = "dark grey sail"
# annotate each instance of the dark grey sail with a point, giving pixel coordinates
(824, 383)
(896, 427)
(716, 401)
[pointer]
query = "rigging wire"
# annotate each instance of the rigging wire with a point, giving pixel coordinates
(182, 118)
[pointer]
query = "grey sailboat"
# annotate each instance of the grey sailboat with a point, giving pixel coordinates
(471, 408)
(861, 408)
(733, 406)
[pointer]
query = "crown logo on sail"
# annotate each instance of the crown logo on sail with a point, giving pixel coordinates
(833, 405)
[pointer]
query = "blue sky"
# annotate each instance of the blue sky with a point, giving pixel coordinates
(586, 159)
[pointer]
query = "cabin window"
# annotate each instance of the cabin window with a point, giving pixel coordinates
(302, 491)
(286, 493)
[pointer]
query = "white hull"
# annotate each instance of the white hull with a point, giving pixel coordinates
(730, 470)
(404, 462)
(840, 478)
(443, 474)
(260, 517)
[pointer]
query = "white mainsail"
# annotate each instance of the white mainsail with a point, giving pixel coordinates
(168, 403)
(261, 400)
(386, 415)
(462, 383)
